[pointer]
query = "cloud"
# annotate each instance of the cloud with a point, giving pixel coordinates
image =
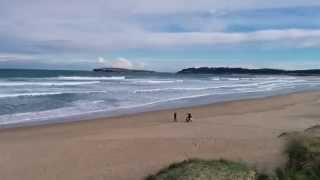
(140, 65)
(101, 61)
(120, 63)
(148, 40)
(6, 57)
(97, 43)
(93, 27)
(61, 32)
(72, 7)
(280, 38)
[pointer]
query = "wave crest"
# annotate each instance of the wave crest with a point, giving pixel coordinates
(86, 78)
(45, 94)
(4, 84)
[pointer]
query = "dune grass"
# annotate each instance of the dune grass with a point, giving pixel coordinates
(303, 156)
(196, 169)
(302, 151)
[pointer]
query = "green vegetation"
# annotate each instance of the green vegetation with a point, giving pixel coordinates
(302, 151)
(303, 154)
(196, 169)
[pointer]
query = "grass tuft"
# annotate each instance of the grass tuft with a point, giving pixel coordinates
(196, 169)
(303, 153)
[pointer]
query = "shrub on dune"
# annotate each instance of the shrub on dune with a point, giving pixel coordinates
(303, 153)
(197, 169)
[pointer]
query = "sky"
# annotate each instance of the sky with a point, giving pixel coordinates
(165, 35)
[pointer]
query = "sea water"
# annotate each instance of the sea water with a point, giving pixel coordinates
(46, 96)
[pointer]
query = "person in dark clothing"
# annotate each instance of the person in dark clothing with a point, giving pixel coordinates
(175, 118)
(189, 117)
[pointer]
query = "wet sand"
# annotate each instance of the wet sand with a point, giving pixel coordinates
(131, 147)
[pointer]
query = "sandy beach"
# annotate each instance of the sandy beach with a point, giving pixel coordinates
(131, 147)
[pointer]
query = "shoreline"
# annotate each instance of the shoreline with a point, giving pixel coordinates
(122, 113)
(133, 146)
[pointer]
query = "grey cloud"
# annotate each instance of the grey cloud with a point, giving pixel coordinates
(46, 27)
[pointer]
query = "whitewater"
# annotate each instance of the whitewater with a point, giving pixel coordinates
(40, 96)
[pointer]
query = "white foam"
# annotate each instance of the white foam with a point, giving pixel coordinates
(36, 116)
(45, 94)
(215, 79)
(168, 90)
(46, 115)
(168, 100)
(8, 83)
(72, 111)
(194, 89)
(233, 79)
(268, 85)
(156, 81)
(81, 78)
(29, 94)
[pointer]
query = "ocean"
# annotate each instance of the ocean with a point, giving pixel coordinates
(29, 97)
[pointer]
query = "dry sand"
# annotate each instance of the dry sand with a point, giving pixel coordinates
(131, 147)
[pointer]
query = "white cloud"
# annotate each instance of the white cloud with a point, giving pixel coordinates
(291, 37)
(101, 61)
(120, 63)
(4, 57)
(85, 28)
(280, 38)
(106, 25)
(140, 65)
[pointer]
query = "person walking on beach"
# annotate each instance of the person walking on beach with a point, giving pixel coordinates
(175, 118)
(189, 118)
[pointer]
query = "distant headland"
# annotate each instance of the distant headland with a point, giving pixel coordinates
(265, 71)
(220, 71)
